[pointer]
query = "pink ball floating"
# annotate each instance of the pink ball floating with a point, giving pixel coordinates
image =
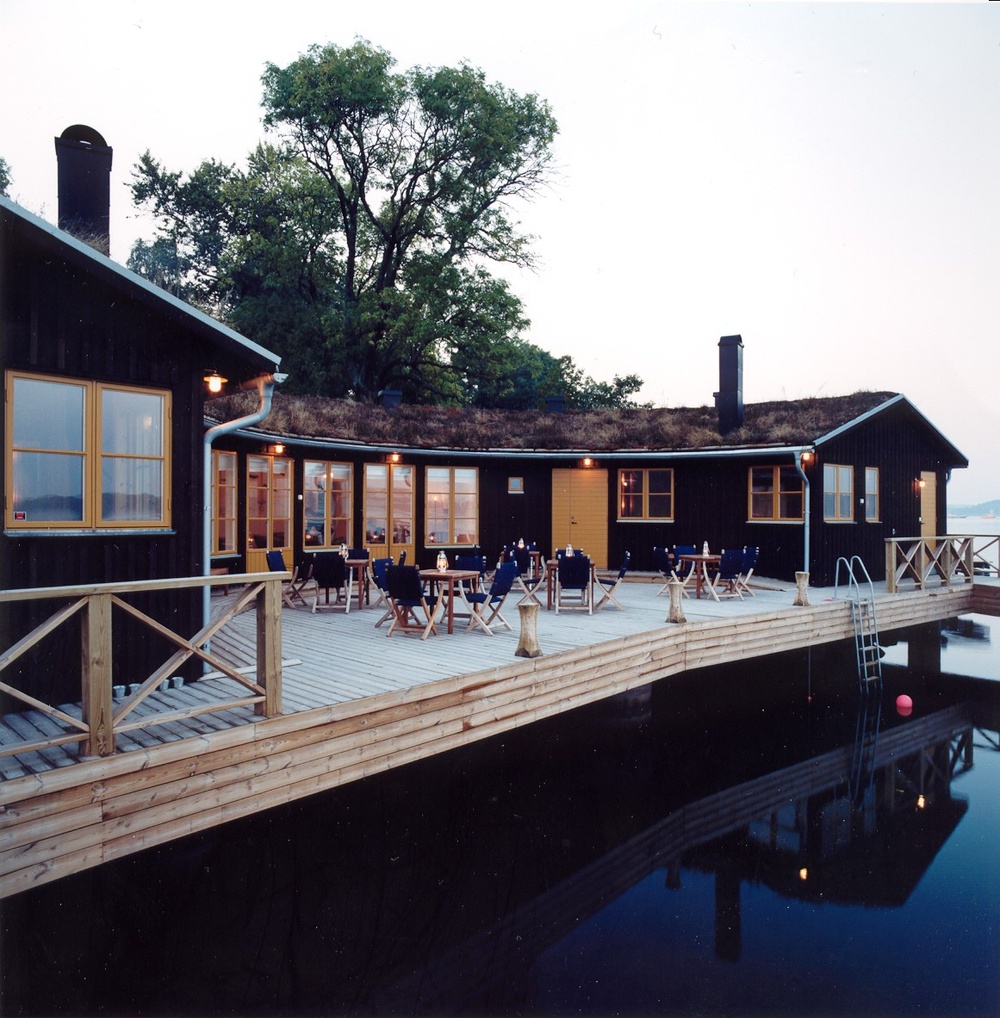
(904, 705)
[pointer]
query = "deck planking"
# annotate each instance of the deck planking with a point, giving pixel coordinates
(356, 703)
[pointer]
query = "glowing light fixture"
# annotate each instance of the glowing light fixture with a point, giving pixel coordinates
(807, 456)
(215, 381)
(803, 874)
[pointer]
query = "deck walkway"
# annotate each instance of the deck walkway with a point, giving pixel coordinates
(356, 703)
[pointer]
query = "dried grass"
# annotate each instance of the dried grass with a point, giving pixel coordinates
(785, 422)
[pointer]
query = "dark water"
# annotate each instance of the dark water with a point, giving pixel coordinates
(745, 840)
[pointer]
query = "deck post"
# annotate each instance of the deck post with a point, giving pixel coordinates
(801, 590)
(890, 566)
(269, 647)
(528, 645)
(95, 695)
(676, 611)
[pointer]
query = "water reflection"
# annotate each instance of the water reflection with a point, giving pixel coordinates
(762, 838)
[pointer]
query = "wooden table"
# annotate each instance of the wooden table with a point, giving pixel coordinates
(360, 567)
(445, 580)
(700, 564)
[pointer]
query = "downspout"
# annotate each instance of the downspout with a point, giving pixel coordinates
(264, 385)
(806, 507)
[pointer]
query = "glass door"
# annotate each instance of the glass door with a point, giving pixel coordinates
(269, 510)
(389, 510)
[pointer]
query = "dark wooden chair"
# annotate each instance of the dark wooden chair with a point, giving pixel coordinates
(412, 610)
(606, 584)
(330, 571)
(486, 605)
(574, 584)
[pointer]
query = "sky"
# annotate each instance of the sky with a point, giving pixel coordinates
(821, 178)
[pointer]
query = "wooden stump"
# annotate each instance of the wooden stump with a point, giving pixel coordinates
(801, 590)
(676, 612)
(528, 644)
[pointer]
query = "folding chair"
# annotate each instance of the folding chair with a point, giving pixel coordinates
(406, 595)
(524, 581)
(574, 584)
(331, 572)
(378, 567)
(684, 572)
(481, 602)
(663, 565)
(749, 564)
(724, 582)
(293, 590)
(606, 585)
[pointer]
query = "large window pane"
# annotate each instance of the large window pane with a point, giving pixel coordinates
(131, 423)
(49, 415)
(48, 487)
(131, 489)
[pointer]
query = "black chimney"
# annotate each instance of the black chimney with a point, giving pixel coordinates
(729, 398)
(390, 397)
(84, 160)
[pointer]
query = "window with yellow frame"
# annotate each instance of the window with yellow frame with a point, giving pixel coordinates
(873, 501)
(451, 506)
(838, 493)
(327, 504)
(646, 494)
(224, 501)
(85, 455)
(776, 494)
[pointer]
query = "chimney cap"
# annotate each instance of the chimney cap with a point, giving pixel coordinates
(84, 134)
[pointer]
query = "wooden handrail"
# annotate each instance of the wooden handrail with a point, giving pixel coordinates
(101, 718)
(944, 559)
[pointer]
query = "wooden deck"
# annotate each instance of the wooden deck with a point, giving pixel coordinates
(356, 703)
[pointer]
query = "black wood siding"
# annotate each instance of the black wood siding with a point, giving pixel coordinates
(59, 319)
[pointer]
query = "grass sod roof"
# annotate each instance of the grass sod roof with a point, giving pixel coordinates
(776, 423)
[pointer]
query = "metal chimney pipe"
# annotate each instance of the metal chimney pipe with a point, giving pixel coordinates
(729, 398)
(84, 162)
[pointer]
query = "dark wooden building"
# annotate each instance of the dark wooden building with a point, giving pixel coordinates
(807, 481)
(103, 432)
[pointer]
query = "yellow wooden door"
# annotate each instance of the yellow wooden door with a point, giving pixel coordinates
(928, 504)
(580, 512)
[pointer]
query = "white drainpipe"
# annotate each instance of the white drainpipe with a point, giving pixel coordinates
(806, 510)
(265, 390)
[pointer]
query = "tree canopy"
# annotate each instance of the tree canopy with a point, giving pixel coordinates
(359, 244)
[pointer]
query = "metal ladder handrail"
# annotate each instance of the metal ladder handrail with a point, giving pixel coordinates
(866, 641)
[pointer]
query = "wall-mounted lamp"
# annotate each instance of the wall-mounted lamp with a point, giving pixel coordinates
(278, 449)
(587, 462)
(921, 483)
(807, 456)
(393, 457)
(215, 381)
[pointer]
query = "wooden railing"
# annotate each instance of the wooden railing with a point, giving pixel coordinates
(102, 718)
(945, 559)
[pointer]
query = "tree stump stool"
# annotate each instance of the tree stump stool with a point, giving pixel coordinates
(528, 644)
(801, 591)
(676, 611)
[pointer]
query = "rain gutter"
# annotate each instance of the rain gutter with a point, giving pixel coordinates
(264, 384)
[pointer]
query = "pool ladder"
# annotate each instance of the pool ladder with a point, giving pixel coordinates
(866, 642)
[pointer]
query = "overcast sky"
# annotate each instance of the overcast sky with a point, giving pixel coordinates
(821, 178)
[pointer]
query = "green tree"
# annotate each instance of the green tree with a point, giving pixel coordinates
(4, 177)
(359, 244)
